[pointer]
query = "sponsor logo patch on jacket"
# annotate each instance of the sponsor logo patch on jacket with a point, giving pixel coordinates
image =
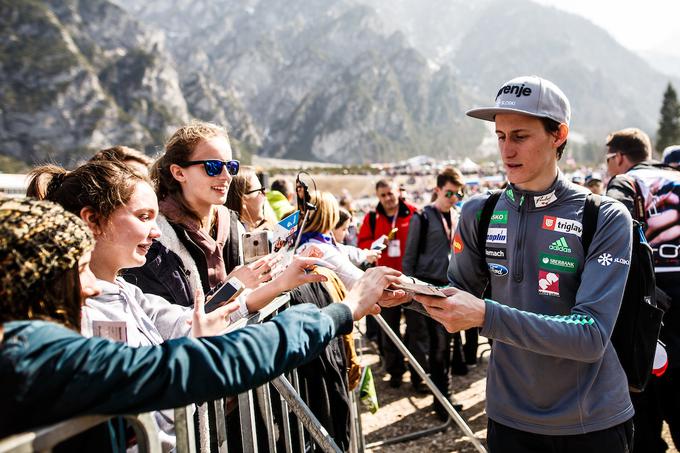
(498, 269)
(558, 263)
(457, 244)
(606, 259)
(497, 235)
(495, 252)
(560, 245)
(561, 225)
(548, 283)
(499, 217)
(544, 200)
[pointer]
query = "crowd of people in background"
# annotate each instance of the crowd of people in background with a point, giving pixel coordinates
(142, 243)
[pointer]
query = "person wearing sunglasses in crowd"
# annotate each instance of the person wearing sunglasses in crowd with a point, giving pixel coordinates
(247, 197)
(200, 242)
(51, 373)
(428, 250)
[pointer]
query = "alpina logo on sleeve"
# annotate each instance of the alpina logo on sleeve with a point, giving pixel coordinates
(562, 225)
(457, 244)
(497, 235)
(548, 283)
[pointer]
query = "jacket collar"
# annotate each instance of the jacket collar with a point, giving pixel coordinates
(403, 211)
(538, 200)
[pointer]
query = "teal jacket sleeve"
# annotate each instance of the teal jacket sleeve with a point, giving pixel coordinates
(49, 373)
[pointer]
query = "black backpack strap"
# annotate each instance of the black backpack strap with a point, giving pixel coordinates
(371, 222)
(591, 210)
(482, 231)
(638, 202)
(485, 219)
(424, 224)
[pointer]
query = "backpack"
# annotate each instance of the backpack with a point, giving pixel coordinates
(637, 327)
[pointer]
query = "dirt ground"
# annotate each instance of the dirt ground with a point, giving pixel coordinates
(403, 411)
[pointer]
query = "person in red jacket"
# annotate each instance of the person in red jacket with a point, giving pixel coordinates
(392, 213)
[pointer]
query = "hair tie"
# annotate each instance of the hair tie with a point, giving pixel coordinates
(55, 183)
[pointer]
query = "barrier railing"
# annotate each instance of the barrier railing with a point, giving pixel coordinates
(453, 414)
(309, 431)
(45, 439)
(289, 401)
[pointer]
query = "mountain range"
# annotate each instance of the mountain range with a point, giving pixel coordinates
(347, 81)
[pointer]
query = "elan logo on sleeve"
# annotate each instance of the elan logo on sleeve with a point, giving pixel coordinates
(497, 235)
(561, 225)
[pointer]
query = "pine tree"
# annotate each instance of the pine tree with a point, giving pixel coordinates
(669, 124)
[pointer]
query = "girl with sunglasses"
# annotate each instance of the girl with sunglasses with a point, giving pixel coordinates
(200, 245)
(247, 197)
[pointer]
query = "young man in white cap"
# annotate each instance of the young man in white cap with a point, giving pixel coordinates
(554, 381)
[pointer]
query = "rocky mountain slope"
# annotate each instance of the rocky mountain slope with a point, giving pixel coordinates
(349, 81)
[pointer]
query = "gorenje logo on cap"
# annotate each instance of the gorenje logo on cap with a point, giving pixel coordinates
(517, 90)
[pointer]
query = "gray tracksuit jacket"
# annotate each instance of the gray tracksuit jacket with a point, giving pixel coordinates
(552, 310)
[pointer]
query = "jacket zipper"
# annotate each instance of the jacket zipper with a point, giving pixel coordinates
(518, 266)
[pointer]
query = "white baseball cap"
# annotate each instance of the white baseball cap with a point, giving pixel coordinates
(528, 95)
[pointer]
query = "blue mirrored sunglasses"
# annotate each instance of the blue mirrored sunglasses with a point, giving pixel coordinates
(213, 167)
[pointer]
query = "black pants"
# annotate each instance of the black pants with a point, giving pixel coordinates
(617, 439)
(440, 355)
(416, 340)
(660, 401)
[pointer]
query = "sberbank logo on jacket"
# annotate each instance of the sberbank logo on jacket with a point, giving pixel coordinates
(558, 263)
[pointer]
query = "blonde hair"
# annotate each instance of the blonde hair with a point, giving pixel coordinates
(326, 215)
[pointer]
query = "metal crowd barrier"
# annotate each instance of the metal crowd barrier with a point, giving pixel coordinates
(310, 434)
(45, 439)
(453, 414)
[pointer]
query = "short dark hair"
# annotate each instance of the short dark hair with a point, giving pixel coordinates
(382, 183)
(343, 217)
(551, 126)
(452, 175)
(631, 142)
(282, 186)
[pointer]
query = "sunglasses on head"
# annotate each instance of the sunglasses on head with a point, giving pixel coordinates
(213, 167)
(261, 189)
(450, 193)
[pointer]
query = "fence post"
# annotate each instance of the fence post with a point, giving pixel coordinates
(247, 417)
(184, 430)
(305, 416)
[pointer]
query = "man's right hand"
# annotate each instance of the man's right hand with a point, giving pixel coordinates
(369, 291)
